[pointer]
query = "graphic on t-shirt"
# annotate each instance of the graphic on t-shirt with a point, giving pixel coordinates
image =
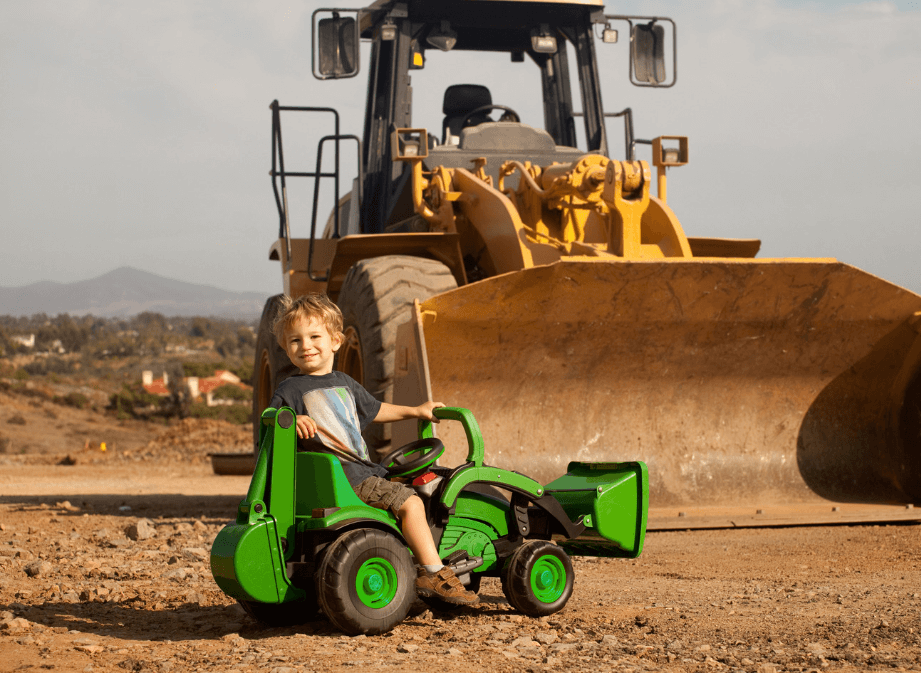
(334, 412)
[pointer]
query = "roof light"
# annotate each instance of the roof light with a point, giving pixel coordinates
(542, 41)
(442, 38)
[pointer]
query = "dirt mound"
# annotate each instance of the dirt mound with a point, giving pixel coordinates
(192, 439)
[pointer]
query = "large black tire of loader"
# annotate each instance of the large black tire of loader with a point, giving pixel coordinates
(271, 367)
(376, 297)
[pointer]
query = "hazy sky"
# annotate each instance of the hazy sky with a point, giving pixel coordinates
(138, 133)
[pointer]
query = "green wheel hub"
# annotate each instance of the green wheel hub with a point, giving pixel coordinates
(548, 578)
(376, 583)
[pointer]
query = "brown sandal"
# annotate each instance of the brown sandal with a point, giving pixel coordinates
(444, 585)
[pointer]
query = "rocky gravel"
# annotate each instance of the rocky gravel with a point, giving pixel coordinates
(94, 585)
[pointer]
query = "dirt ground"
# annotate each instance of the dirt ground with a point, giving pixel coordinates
(104, 567)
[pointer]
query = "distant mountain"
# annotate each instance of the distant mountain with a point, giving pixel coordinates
(126, 292)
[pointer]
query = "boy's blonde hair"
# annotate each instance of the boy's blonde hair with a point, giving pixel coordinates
(305, 307)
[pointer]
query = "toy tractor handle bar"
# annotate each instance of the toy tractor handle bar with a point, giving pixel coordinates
(475, 448)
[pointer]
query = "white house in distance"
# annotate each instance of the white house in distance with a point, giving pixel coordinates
(22, 340)
(197, 387)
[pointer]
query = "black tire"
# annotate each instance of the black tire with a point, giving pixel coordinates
(366, 582)
(375, 299)
(538, 578)
(271, 366)
(282, 614)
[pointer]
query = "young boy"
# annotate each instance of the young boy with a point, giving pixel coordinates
(332, 409)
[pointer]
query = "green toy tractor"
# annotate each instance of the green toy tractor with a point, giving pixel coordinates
(304, 543)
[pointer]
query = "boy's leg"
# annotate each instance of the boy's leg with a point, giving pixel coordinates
(417, 533)
(436, 579)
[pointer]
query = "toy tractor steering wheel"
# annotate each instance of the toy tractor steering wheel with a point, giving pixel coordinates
(487, 108)
(414, 457)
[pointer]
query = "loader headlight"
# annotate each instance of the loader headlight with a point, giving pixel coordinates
(443, 37)
(542, 41)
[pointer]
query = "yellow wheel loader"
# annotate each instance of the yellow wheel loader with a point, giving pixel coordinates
(525, 272)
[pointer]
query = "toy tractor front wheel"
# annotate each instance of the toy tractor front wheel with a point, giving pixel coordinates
(537, 580)
(366, 582)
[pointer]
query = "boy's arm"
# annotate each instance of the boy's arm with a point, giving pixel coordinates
(389, 413)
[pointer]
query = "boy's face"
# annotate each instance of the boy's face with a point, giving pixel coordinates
(310, 346)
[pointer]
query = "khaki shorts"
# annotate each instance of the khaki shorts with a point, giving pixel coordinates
(383, 494)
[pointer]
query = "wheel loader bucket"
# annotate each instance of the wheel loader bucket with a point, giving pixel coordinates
(738, 382)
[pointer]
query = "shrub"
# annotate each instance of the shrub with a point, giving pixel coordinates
(234, 413)
(74, 399)
(229, 391)
(200, 369)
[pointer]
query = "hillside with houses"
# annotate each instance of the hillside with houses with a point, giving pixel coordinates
(145, 367)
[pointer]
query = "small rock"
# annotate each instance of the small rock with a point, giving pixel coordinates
(195, 553)
(675, 645)
(546, 638)
(199, 526)
(815, 649)
(767, 668)
(177, 574)
(284, 669)
(142, 529)
(562, 647)
(15, 625)
(454, 652)
(66, 506)
(609, 640)
(37, 568)
(407, 648)
(523, 641)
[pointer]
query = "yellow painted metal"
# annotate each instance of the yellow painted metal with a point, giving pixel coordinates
(591, 207)
(598, 336)
(736, 381)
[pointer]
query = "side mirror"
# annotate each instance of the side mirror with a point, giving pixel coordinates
(335, 46)
(648, 53)
(649, 47)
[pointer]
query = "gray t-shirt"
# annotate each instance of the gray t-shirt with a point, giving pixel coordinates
(341, 408)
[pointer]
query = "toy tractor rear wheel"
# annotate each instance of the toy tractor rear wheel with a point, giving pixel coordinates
(538, 578)
(366, 582)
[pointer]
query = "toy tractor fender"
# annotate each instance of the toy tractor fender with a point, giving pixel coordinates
(474, 474)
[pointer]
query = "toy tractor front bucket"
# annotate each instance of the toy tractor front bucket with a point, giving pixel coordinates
(611, 500)
(247, 558)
